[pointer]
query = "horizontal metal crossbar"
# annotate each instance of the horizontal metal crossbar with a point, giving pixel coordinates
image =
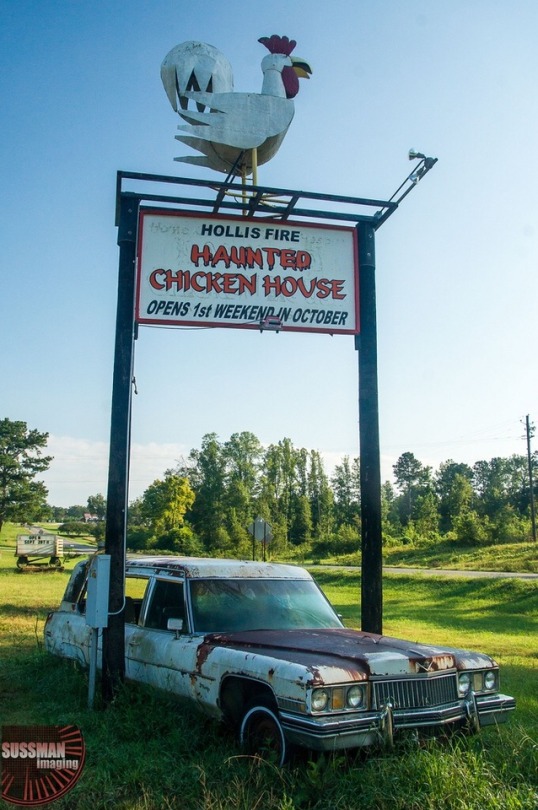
(255, 201)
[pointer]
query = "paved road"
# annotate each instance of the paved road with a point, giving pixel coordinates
(81, 547)
(446, 572)
(451, 572)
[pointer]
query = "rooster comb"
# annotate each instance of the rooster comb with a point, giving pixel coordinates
(276, 44)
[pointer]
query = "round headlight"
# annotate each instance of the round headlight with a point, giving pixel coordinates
(355, 697)
(490, 681)
(464, 683)
(320, 700)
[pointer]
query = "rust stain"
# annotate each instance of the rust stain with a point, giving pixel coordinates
(435, 663)
(316, 678)
(202, 653)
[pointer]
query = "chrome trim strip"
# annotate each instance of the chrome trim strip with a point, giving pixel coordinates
(331, 725)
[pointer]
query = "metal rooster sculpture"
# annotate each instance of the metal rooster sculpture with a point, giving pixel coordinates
(235, 132)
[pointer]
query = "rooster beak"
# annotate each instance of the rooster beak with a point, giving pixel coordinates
(301, 67)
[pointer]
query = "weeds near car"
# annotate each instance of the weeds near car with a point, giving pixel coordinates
(147, 752)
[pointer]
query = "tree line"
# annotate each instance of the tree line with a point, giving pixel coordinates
(206, 504)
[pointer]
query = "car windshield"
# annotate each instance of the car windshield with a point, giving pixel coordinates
(259, 604)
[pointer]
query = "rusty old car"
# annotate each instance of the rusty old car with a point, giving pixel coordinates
(259, 645)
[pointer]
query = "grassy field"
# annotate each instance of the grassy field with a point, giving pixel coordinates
(148, 752)
(512, 557)
(521, 557)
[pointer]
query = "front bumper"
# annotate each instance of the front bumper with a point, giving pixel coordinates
(335, 732)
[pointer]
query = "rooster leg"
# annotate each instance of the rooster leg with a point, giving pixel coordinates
(244, 190)
(255, 167)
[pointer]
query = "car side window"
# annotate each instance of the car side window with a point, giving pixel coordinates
(135, 588)
(167, 602)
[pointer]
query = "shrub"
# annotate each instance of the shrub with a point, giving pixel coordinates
(139, 538)
(180, 541)
(344, 541)
(470, 529)
(509, 527)
(74, 527)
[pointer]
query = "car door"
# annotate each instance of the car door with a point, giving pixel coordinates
(162, 657)
(66, 632)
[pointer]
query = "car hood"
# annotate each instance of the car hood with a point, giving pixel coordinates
(361, 655)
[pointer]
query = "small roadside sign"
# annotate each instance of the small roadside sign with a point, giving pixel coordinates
(262, 531)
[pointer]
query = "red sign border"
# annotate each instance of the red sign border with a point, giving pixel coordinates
(148, 210)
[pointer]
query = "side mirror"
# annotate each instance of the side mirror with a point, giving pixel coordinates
(175, 624)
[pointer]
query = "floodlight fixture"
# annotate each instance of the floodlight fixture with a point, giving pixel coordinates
(423, 167)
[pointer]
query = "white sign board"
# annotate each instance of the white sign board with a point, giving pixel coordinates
(39, 545)
(204, 270)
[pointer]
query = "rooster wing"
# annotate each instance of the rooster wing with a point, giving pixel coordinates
(242, 120)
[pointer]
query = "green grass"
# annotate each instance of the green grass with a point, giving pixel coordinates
(521, 557)
(8, 535)
(513, 557)
(146, 751)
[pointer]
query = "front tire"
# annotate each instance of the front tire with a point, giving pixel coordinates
(261, 734)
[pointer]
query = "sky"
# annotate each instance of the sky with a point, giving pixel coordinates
(455, 264)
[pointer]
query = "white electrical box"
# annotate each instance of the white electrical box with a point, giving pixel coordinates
(98, 590)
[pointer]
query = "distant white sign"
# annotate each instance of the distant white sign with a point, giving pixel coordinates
(251, 273)
(261, 530)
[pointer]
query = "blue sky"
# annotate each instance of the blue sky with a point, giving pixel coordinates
(456, 264)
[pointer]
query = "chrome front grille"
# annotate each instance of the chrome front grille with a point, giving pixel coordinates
(416, 693)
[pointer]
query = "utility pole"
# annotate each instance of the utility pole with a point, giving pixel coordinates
(370, 469)
(120, 442)
(530, 433)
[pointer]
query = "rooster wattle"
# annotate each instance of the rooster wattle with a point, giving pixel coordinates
(235, 132)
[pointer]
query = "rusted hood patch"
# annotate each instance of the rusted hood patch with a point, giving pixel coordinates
(365, 652)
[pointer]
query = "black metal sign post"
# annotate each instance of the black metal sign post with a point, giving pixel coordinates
(370, 464)
(120, 429)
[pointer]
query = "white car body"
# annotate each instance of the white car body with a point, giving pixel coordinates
(258, 644)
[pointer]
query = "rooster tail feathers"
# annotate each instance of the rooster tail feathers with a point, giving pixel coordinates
(195, 66)
(195, 118)
(196, 160)
(221, 161)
